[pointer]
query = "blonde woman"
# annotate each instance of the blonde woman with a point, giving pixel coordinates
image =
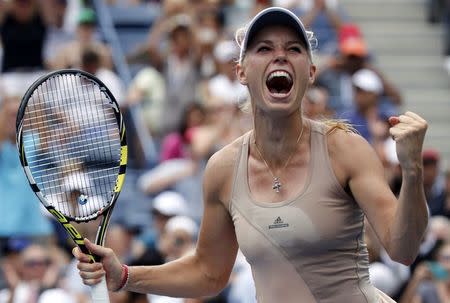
(291, 193)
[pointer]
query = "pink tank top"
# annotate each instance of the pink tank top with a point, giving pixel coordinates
(307, 249)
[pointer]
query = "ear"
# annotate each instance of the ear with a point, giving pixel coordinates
(312, 73)
(241, 74)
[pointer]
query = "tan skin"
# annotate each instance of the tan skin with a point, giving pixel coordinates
(398, 224)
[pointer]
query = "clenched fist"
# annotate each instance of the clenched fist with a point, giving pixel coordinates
(408, 131)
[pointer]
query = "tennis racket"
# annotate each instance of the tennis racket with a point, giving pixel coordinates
(72, 146)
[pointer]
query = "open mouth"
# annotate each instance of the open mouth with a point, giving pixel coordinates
(279, 83)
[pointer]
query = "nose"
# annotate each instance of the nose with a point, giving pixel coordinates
(280, 55)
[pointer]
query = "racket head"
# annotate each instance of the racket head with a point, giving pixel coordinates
(72, 144)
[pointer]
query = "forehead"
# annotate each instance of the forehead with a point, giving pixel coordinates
(275, 33)
(34, 251)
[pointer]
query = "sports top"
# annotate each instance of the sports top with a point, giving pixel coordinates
(309, 248)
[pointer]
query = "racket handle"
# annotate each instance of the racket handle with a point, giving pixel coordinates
(100, 292)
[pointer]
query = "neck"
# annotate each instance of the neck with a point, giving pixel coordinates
(277, 139)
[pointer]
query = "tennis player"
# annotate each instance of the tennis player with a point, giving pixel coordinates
(291, 194)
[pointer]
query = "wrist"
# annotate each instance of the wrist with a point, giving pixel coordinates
(124, 278)
(412, 171)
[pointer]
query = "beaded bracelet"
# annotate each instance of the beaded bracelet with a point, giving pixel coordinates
(125, 277)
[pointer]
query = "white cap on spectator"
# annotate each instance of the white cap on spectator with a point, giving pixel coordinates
(390, 150)
(170, 203)
(368, 81)
(226, 51)
(182, 223)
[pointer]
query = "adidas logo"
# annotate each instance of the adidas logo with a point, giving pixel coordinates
(278, 223)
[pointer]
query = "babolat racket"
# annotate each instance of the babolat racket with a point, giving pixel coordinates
(72, 146)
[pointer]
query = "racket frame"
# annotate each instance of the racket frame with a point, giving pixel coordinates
(64, 220)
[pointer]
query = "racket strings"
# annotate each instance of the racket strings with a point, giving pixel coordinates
(71, 137)
(67, 145)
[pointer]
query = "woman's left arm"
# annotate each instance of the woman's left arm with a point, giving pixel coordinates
(399, 224)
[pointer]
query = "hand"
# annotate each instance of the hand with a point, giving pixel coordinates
(11, 275)
(408, 131)
(92, 273)
(422, 272)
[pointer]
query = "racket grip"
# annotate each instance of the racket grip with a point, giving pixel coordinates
(100, 292)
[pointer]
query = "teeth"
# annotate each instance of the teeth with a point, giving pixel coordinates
(279, 74)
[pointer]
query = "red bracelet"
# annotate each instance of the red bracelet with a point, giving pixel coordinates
(125, 277)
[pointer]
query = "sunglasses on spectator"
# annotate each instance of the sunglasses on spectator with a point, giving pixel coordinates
(37, 262)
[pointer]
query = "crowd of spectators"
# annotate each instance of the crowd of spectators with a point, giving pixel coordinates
(190, 100)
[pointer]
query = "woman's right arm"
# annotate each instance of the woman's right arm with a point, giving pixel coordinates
(203, 273)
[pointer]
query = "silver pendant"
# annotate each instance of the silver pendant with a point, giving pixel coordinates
(276, 184)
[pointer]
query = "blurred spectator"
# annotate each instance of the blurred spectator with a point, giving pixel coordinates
(91, 63)
(431, 280)
(166, 175)
(433, 182)
(178, 239)
(58, 32)
(23, 30)
(19, 202)
(336, 75)
(208, 31)
(315, 104)
(224, 89)
(324, 18)
(179, 64)
(148, 88)
(10, 254)
(367, 117)
(166, 205)
(34, 278)
(176, 161)
(69, 54)
(180, 44)
(176, 145)
(438, 232)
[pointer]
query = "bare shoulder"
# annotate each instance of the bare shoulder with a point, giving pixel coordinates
(219, 172)
(349, 152)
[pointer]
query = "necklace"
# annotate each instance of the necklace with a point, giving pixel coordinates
(276, 184)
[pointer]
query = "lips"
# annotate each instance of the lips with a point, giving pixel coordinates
(279, 83)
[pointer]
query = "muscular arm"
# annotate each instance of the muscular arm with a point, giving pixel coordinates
(399, 224)
(206, 271)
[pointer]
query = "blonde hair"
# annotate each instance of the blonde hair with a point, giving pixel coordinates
(338, 124)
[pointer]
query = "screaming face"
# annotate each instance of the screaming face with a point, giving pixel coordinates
(279, 83)
(276, 69)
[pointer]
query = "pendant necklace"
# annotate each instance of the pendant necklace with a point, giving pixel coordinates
(276, 184)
